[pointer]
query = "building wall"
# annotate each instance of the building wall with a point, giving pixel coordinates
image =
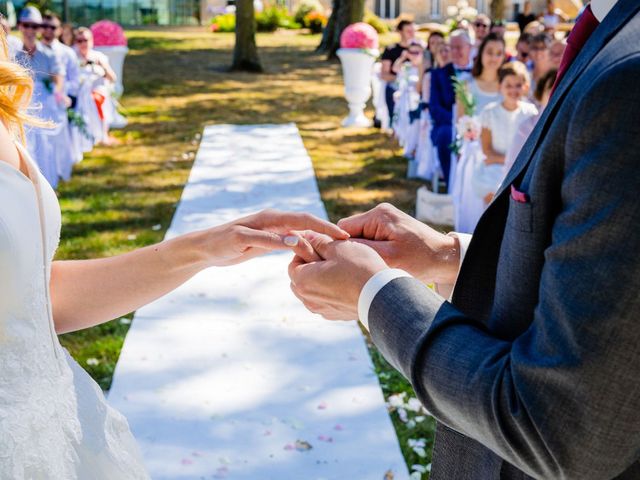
(435, 10)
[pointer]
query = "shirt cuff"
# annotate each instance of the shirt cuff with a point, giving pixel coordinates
(465, 240)
(371, 289)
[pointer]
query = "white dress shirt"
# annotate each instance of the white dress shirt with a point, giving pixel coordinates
(381, 279)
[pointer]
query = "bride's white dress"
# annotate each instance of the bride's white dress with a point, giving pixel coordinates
(54, 420)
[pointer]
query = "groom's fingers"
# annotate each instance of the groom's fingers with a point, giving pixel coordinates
(305, 251)
(320, 243)
(382, 247)
(355, 224)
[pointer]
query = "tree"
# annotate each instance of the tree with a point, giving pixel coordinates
(497, 9)
(344, 13)
(245, 52)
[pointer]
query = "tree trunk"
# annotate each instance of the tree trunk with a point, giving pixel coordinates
(344, 13)
(497, 9)
(245, 52)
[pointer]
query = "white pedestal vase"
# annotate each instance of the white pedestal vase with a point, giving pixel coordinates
(357, 68)
(116, 55)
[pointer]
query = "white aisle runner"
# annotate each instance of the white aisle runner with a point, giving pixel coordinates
(229, 376)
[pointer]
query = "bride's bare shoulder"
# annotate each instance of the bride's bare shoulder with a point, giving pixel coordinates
(8, 151)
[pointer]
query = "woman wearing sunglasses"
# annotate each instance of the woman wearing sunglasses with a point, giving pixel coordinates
(95, 69)
(49, 95)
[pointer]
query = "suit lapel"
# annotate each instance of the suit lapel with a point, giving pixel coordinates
(616, 19)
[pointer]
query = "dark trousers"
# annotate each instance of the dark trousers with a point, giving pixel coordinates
(391, 104)
(442, 137)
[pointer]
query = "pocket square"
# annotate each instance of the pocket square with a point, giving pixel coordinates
(519, 196)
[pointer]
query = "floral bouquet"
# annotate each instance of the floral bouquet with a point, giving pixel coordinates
(360, 36)
(108, 34)
(468, 130)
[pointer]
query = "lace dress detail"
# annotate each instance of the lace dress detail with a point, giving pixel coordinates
(54, 420)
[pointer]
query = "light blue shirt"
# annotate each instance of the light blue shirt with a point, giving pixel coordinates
(42, 64)
(71, 65)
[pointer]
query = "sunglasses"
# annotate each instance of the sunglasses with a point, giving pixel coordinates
(81, 40)
(32, 26)
(49, 27)
(480, 24)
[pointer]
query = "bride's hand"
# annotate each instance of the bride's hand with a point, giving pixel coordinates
(251, 236)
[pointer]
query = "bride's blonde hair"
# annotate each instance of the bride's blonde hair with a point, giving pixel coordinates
(16, 87)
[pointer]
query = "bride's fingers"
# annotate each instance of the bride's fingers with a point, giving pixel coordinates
(286, 221)
(246, 238)
(304, 250)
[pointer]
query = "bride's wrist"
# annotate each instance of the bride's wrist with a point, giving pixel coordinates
(190, 251)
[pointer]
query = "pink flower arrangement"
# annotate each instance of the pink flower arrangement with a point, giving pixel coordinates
(359, 35)
(108, 34)
(469, 128)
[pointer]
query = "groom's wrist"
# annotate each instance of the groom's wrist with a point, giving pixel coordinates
(371, 289)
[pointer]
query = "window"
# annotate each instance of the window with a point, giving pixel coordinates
(436, 8)
(387, 8)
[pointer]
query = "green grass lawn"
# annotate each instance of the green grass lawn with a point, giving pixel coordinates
(124, 197)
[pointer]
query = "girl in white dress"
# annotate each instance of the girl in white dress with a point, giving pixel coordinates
(54, 420)
(500, 122)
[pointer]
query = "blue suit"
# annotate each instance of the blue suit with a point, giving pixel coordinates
(441, 102)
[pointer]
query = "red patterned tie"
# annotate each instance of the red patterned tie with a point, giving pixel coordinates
(581, 32)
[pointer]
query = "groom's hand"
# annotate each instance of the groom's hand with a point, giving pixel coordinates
(328, 276)
(406, 243)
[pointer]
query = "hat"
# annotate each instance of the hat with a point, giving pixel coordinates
(30, 15)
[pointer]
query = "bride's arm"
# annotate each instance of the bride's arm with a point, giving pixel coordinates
(89, 292)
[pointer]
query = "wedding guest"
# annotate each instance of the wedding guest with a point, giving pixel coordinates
(485, 89)
(65, 153)
(541, 96)
(51, 32)
(484, 85)
(540, 45)
(67, 34)
(556, 52)
(500, 120)
(481, 28)
(523, 49)
(13, 42)
(407, 31)
(47, 73)
(96, 65)
(433, 43)
(525, 17)
(442, 98)
(442, 57)
(412, 56)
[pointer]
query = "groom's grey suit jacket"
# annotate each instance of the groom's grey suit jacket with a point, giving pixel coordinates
(533, 369)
